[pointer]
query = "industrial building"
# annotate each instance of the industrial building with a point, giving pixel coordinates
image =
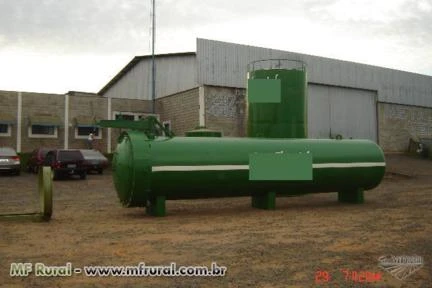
(208, 88)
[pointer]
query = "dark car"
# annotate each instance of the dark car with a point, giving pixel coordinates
(94, 160)
(37, 159)
(9, 160)
(66, 163)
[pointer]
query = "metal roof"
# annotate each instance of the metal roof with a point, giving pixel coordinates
(133, 63)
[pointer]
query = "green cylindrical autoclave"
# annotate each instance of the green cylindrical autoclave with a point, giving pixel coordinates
(205, 167)
(277, 99)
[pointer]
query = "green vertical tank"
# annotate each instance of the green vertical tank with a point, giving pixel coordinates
(277, 99)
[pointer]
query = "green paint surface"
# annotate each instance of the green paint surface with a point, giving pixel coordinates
(286, 118)
(265, 200)
(264, 91)
(280, 166)
(136, 184)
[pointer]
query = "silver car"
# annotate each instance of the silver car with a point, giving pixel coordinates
(9, 160)
(94, 160)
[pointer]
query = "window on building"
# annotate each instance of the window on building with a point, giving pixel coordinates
(142, 116)
(82, 132)
(85, 131)
(5, 130)
(43, 131)
(167, 125)
(130, 117)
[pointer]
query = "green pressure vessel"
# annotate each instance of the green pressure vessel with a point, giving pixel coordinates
(277, 99)
(204, 167)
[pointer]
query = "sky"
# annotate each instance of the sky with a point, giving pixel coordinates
(55, 46)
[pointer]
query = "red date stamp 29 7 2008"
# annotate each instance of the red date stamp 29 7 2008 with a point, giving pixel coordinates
(323, 276)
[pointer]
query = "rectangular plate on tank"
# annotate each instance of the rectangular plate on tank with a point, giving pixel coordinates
(264, 90)
(280, 167)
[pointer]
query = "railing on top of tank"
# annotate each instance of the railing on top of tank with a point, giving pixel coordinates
(268, 64)
(150, 125)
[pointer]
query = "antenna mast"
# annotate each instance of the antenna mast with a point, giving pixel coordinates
(153, 83)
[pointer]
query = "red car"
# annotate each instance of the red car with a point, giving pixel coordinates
(36, 159)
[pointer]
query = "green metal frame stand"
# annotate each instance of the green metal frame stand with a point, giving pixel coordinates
(45, 189)
(266, 201)
(156, 206)
(355, 196)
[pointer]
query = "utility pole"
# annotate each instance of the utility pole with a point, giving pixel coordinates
(153, 82)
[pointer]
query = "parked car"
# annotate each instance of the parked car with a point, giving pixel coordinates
(37, 159)
(94, 161)
(66, 163)
(9, 160)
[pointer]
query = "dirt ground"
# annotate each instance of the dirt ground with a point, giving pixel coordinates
(287, 247)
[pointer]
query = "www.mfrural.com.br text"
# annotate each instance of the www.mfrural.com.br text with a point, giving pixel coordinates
(140, 270)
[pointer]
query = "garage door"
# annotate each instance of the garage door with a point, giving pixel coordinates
(341, 111)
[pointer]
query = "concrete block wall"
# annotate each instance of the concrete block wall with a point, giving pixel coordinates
(181, 109)
(81, 106)
(126, 105)
(397, 123)
(41, 104)
(87, 107)
(131, 105)
(226, 110)
(8, 108)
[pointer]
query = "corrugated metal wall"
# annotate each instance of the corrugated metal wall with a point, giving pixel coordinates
(225, 64)
(341, 111)
(173, 74)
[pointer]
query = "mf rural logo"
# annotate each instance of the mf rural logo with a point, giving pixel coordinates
(401, 267)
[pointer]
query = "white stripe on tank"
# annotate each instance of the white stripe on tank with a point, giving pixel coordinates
(246, 167)
(349, 165)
